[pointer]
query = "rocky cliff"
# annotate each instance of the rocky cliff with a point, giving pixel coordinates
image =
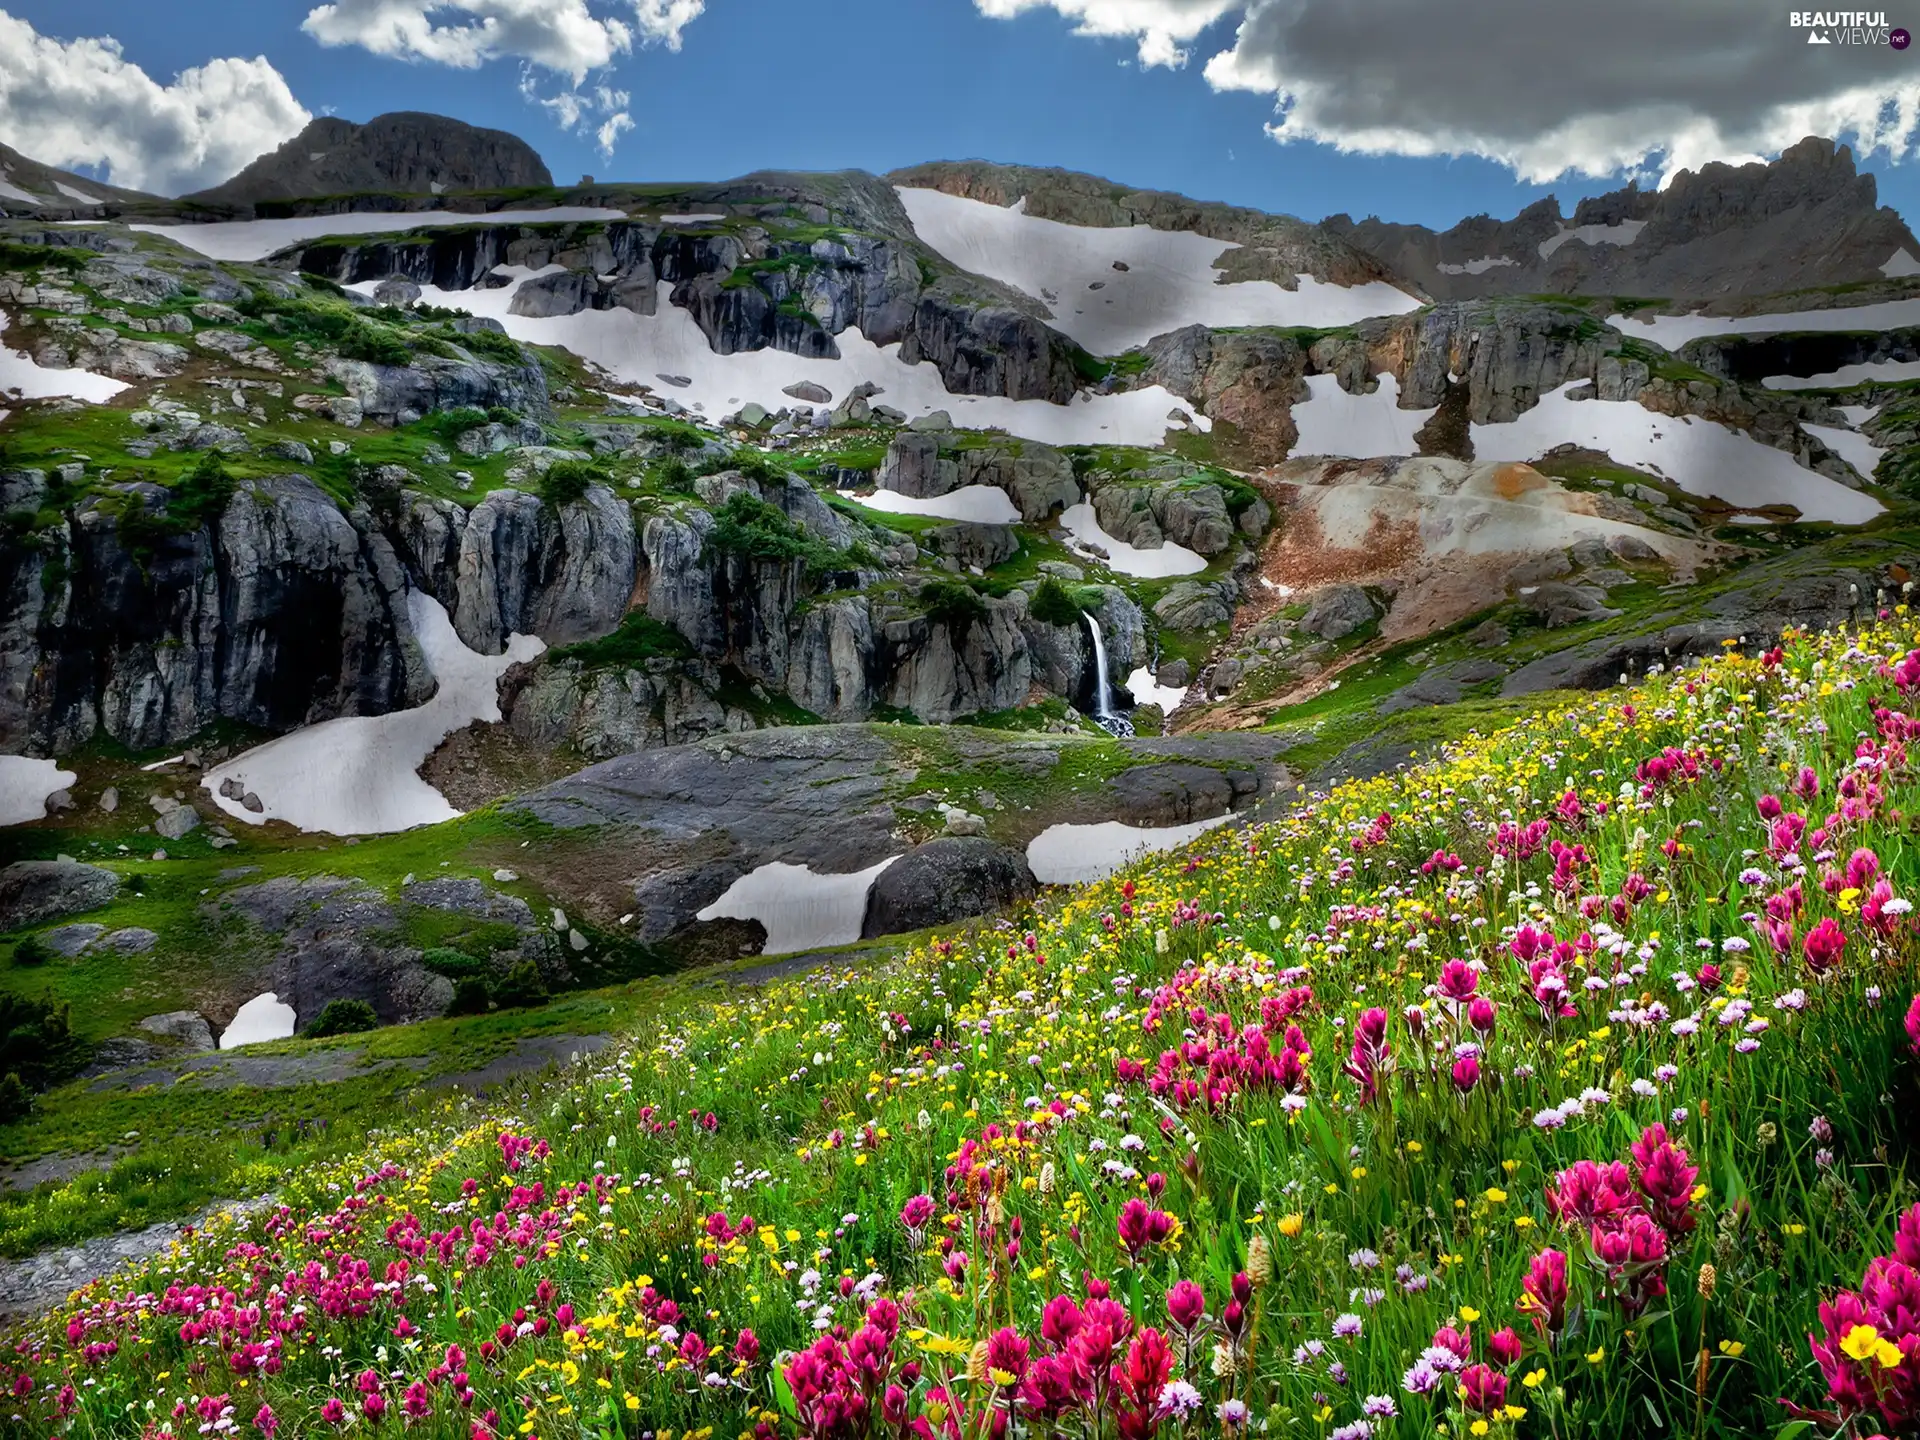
(404, 152)
(1806, 219)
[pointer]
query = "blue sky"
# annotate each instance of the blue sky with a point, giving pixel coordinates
(817, 84)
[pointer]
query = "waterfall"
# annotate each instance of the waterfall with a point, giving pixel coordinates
(1104, 714)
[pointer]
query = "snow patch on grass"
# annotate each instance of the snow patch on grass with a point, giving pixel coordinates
(1847, 375)
(980, 504)
(359, 775)
(22, 375)
(640, 349)
(1699, 456)
(1850, 445)
(263, 1018)
(1080, 854)
(25, 785)
(257, 239)
(1670, 332)
(801, 910)
(1083, 525)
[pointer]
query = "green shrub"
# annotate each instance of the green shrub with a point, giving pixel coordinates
(343, 1017)
(37, 1040)
(32, 951)
(15, 1102)
(1053, 604)
(201, 495)
(470, 997)
(454, 964)
(672, 476)
(952, 603)
(566, 482)
(755, 466)
(503, 415)
(640, 638)
(747, 525)
(521, 986)
(28, 257)
(376, 344)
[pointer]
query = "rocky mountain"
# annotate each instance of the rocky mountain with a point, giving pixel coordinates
(403, 152)
(29, 188)
(665, 561)
(1717, 234)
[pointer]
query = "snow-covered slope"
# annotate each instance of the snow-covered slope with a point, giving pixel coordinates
(1112, 288)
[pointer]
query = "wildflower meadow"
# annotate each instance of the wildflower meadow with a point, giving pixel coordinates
(1563, 1085)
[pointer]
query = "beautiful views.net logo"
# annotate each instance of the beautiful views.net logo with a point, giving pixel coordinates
(1846, 27)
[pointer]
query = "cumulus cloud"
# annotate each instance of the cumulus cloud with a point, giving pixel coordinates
(1163, 28)
(1543, 89)
(564, 37)
(83, 103)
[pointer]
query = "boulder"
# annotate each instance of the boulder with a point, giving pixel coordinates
(1197, 605)
(1337, 612)
(187, 1026)
(33, 891)
(808, 391)
(946, 880)
(975, 545)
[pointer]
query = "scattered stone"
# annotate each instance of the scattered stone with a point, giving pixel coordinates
(110, 799)
(808, 391)
(293, 450)
(1337, 612)
(71, 940)
(252, 803)
(189, 1026)
(937, 420)
(506, 877)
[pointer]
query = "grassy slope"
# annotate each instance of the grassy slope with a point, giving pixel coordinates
(836, 1097)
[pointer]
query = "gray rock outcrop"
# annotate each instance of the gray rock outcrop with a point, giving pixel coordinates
(946, 880)
(35, 891)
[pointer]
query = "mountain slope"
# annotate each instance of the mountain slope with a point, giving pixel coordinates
(1805, 219)
(29, 188)
(405, 151)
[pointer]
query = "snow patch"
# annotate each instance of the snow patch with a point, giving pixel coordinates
(1624, 233)
(980, 504)
(1475, 267)
(1081, 854)
(1902, 262)
(1146, 690)
(14, 192)
(1698, 455)
(1850, 445)
(1080, 522)
(359, 775)
(26, 784)
(1170, 279)
(257, 239)
(640, 349)
(802, 910)
(22, 375)
(1847, 375)
(704, 218)
(261, 1019)
(1858, 415)
(1358, 427)
(1670, 332)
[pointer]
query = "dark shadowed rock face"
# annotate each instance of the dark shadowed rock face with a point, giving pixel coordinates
(945, 880)
(405, 152)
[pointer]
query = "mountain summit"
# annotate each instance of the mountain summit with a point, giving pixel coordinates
(405, 152)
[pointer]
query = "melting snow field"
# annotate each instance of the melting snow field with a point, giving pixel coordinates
(1081, 854)
(1357, 427)
(1847, 375)
(257, 239)
(22, 374)
(1170, 279)
(1475, 267)
(261, 1019)
(1146, 690)
(641, 349)
(1625, 233)
(982, 504)
(359, 775)
(1901, 262)
(1083, 525)
(25, 784)
(1699, 456)
(1850, 445)
(801, 910)
(1673, 331)
(14, 192)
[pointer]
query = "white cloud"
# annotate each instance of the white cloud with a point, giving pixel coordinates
(564, 36)
(1542, 89)
(1163, 28)
(82, 102)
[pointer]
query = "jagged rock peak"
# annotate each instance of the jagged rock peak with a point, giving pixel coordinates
(406, 152)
